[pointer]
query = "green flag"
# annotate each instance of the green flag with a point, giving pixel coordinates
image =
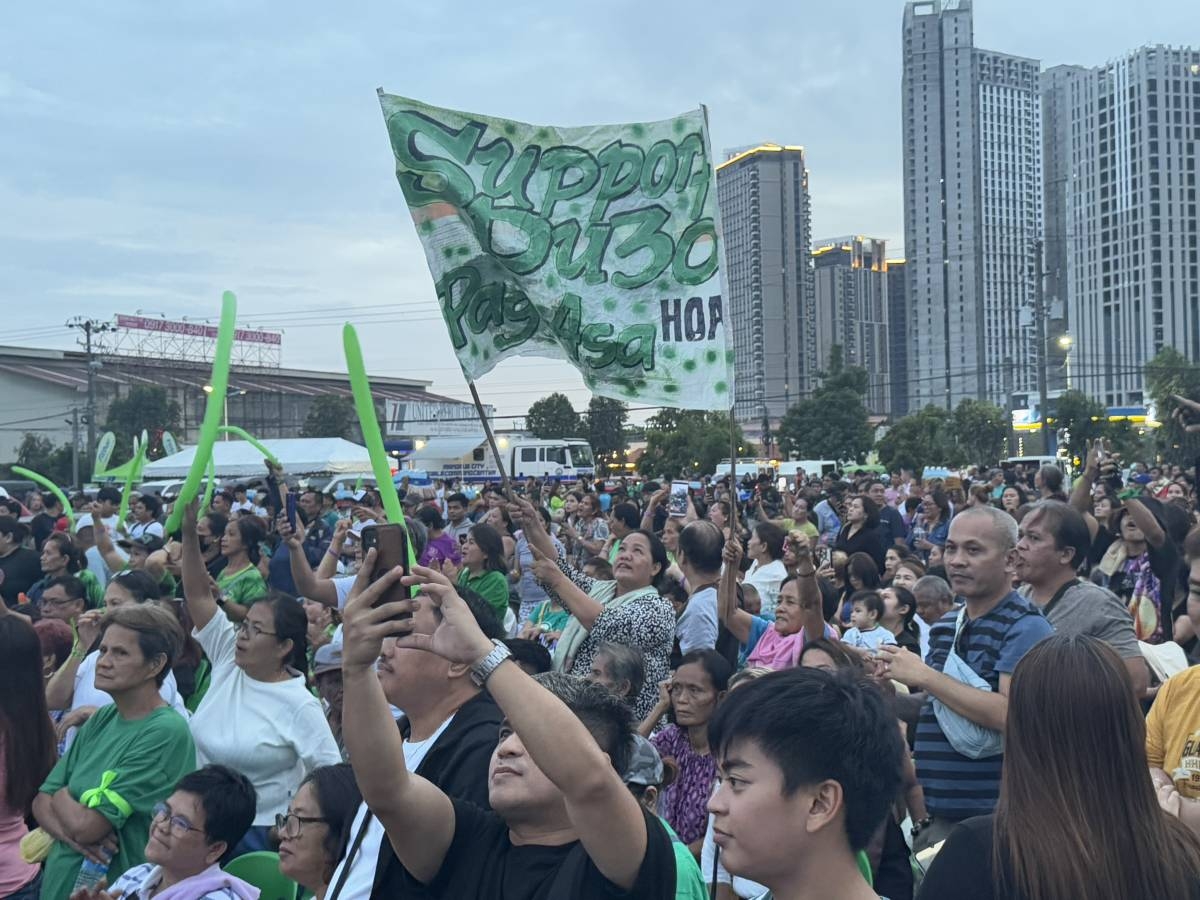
(598, 245)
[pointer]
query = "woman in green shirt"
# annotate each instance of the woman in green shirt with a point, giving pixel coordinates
(60, 556)
(98, 801)
(484, 569)
(240, 582)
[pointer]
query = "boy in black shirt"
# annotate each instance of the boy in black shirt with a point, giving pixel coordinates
(564, 825)
(810, 764)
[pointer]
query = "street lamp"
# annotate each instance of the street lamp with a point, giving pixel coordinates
(208, 389)
(1065, 342)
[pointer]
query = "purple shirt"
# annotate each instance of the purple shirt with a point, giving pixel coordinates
(685, 802)
(439, 549)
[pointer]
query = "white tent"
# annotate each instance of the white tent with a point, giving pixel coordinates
(240, 459)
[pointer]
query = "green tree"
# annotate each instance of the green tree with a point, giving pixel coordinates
(832, 423)
(330, 416)
(145, 408)
(553, 417)
(605, 419)
(680, 441)
(925, 438)
(839, 376)
(1168, 374)
(981, 429)
(38, 453)
(1082, 418)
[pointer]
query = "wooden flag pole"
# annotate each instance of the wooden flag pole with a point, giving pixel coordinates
(733, 451)
(487, 430)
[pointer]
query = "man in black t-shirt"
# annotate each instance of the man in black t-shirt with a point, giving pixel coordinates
(891, 525)
(563, 825)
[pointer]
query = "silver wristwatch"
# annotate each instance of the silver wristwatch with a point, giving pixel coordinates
(482, 670)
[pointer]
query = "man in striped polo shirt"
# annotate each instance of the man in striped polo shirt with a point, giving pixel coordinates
(996, 628)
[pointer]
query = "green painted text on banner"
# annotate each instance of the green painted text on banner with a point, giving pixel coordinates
(597, 245)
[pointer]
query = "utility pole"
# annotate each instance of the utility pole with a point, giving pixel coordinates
(1039, 313)
(75, 447)
(1009, 387)
(90, 327)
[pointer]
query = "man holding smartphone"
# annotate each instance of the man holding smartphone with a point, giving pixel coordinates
(563, 823)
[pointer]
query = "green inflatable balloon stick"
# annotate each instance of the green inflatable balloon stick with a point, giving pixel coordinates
(213, 411)
(372, 436)
(253, 441)
(133, 473)
(51, 487)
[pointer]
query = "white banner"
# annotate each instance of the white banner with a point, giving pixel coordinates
(597, 245)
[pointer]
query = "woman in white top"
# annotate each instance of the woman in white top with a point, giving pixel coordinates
(767, 571)
(258, 716)
(73, 686)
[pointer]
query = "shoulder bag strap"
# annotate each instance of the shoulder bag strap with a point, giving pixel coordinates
(354, 848)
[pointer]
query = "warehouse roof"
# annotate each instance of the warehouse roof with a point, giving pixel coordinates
(68, 368)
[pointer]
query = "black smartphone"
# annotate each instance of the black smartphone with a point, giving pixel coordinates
(391, 549)
(291, 509)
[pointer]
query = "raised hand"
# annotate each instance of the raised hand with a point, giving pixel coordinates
(545, 569)
(88, 627)
(450, 570)
(191, 516)
(340, 530)
(288, 534)
(1187, 413)
(457, 637)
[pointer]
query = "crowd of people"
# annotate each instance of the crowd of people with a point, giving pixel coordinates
(850, 686)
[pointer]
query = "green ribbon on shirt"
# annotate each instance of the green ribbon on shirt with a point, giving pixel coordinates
(104, 794)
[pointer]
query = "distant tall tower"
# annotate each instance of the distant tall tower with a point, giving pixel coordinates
(1123, 142)
(898, 335)
(766, 223)
(851, 309)
(972, 208)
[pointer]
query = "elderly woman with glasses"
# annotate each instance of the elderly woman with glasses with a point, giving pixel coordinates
(258, 716)
(208, 812)
(315, 831)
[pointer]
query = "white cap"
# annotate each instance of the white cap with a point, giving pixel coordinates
(84, 521)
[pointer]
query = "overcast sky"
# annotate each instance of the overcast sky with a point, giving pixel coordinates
(152, 155)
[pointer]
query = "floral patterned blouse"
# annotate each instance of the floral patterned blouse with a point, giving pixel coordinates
(594, 530)
(646, 622)
(684, 803)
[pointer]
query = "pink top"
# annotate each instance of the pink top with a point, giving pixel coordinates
(776, 651)
(14, 873)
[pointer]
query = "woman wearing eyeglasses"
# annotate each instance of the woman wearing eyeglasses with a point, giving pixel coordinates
(314, 832)
(258, 716)
(692, 696)
(98, 801)
(208, 812)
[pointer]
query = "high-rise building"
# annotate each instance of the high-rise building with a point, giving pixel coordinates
(766, 225)
(897, 313)
(851, 310)
(1122, 145)
(972, 209)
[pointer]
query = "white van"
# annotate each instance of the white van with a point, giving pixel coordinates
(470, 459)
